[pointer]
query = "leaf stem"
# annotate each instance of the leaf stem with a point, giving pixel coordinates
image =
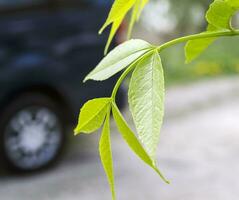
(223, 33)
(126, 72)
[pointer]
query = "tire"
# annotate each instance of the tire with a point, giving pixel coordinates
(32, 131)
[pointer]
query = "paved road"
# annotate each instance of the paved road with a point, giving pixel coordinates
(198, 152)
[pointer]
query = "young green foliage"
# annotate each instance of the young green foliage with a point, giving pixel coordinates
(96, 112)
(118, 59)
(146, 89)
(118, 12)
(146, 100)
(194, 48)
(219, 18)
(132, 140)
(215, 17)
(92, 115)
(233, 3)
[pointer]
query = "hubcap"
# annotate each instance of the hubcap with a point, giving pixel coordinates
(32, 137)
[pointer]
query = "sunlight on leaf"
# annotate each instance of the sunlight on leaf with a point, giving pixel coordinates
(92, 115)
(146, 101)
(233, 3)
(118, 59)
(118, 10)
(113, 31)
(117, 14)
(216, 18)
(219, 18)
(194, 48)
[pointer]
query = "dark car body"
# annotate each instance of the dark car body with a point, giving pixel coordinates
(47, 47)
(51, 48)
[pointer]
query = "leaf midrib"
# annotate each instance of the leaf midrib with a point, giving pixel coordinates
(118, 60)
(97, 113)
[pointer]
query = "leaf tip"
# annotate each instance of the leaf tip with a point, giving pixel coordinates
(161, 175)
(100, 31)
(167, 182)
(76, 131)
(103, 28)
(85, 79)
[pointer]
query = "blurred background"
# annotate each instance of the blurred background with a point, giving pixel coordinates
(46, 49)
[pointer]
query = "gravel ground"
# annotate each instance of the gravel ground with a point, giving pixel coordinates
(198, 152)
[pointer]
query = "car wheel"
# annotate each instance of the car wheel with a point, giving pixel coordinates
(32, 130)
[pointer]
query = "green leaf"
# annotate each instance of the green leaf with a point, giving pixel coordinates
(117, 13)
(118, 59)
(233, 3)
(146, 100)
(113, 31)
(106, 154)
(220, 14)
(92, 115)
(195, 48)
(219, 18)
(132, 140)
(118, 10)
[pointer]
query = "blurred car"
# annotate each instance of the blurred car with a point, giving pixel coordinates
(46, 49)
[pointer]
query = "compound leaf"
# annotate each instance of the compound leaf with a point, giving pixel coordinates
(92, 115)
(119, 58)
(132, 140)
(146, 100)
(106, 154)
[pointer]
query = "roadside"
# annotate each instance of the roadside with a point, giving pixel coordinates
(198, 152)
